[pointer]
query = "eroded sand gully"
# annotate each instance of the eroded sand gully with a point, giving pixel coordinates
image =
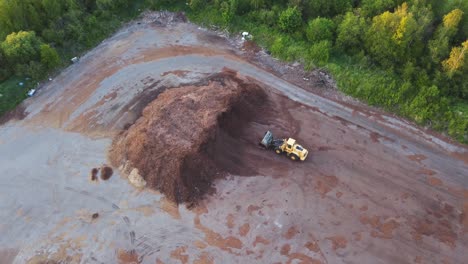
(374, 189)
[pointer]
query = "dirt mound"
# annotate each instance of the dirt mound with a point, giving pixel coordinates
(174, 141)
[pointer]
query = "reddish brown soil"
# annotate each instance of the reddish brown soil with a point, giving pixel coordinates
(302, 259)
(216, 240)
(434, 181)
(251, 47)
(260, 240)
(338, 242)
(180, 254)
(230, 221)
(417, 158)
(127, 257)
(106, 172)
(285, 249)
(199, 244)
(204, 258)
(325, 184)
(312, 246)
(244, 229)
(292, 231)
(175, 143)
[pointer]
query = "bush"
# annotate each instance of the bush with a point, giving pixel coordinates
(425, 105)
(290, 19)
(196, 4)
(350, 33)
(49, 56)
(458, 125)
(320, 29)
(278, 48)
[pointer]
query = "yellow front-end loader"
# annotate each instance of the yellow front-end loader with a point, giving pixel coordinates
(287, 145)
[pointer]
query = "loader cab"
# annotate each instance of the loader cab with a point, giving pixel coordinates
(290, 144)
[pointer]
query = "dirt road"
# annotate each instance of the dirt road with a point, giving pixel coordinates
(375, 189)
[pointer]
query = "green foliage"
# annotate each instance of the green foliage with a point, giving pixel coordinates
(426, 105)
(257, 4)
(196, 4)
(319, 53)
(21, 47)
(11, 94)
(320, 29)
(350, 33)
(290, 19)
(458, 122)
(391, 37)
(371, 8)
(439, 46)
(324, 8)
(49, 56)
(279, 46)
(228, 10)
(111, 4)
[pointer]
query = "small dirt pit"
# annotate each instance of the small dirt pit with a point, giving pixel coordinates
(93, 174)
(106, 173)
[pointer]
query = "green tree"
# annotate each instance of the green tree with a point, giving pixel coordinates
(456, 71)
(324, 8)
(350, 33)
(21, 47)
(257, 4)
(392, 36)
(439, 46)
(290, 19)
(457, 60)
(53, 8)
(320, 29)
(49, 56)
(371, 8)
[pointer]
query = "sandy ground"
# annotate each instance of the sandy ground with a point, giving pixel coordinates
(375, 189)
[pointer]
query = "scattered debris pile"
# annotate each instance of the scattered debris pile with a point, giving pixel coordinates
(163, 18)
(173, 143)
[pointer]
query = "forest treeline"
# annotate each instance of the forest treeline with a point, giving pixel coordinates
(36, 34)
(409, 57)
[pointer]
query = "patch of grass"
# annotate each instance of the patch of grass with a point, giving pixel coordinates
(12, 94)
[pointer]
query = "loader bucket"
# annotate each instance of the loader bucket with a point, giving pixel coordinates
(267, 138)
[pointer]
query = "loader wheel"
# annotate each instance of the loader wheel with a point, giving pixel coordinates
(294, 157)
(278, 151)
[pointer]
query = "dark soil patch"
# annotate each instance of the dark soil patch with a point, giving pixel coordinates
(106, 173)
(251, 46)
(93, 174)
(19, 113)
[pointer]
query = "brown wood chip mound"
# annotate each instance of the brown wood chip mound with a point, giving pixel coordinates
(173, 142)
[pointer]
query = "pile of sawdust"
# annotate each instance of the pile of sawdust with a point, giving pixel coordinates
(170, 145)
